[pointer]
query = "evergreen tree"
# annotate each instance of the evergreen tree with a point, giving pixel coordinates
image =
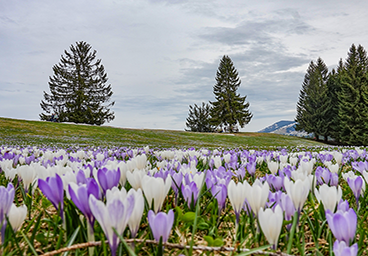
(333, 88)
(198, 119)
(353, 98)
(229, 109)
(314, 107)
(78, 89)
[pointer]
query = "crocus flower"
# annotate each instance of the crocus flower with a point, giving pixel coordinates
(16, 216)
(357, 186)
(271, 223)
(156, 190)
(136, 216)
(190, 192)
(236, 194)
(135, 178)
(343, 205)
(340, 248)
(288, 207)
(28, 175)
(298, 191)
(161, 224)
(257, 194)
(276, 182)
(273, 166)
(115, 214)
(330, 196)
(80, 194)
(53, 189)
(251, 167)
(6, 200)
(108, 178)
(220, 193)
(342, 224)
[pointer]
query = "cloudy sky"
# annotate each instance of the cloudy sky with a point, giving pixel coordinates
(162, 55)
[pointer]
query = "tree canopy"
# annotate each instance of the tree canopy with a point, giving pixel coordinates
(229, 108)
(79, 91)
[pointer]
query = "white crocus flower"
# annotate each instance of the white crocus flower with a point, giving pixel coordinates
(257, 195)
(156, 189)
(135, 219)
(271, 223)
(334, 168)
(16, 216)
(306, 166)
(123, 167)
(236, 195)
(217, 161)
(330, 196)
(28, 175)
(298, 191)
(273, 166)
(135, 178)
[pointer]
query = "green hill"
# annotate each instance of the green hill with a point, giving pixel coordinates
(23, 132)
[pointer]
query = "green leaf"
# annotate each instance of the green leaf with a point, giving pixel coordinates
(188, 217)
(209, 240)
(218, 242)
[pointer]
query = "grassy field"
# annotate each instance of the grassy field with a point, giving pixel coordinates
(23, 132)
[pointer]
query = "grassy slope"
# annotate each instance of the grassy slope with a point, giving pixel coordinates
(22, 132)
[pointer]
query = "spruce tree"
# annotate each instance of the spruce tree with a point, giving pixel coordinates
(79, 91)
(353, 98)
(229, 109)
(198, 119)
(314, 106)
(333, 88)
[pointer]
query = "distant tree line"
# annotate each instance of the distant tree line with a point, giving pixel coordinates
(228, 111)
(334, 105)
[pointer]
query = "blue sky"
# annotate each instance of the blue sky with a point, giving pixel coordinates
(162, 56)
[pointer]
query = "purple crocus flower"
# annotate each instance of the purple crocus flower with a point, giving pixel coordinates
(6, 200)
(342, 224)
(251, 167)
(161, 224)
(276, 182)
(359, 166)
(340, 248)
(220, 193)
(343, 205)
(80, 195)
(190, 192)
(108, 178)
(53, 189)
(177, 180)
(356, 185)
(81, 177)
(288, 207)
(115, 214)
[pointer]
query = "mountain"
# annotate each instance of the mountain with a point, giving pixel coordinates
(285, 128)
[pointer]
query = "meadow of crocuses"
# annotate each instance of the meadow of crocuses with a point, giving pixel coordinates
(154, 201)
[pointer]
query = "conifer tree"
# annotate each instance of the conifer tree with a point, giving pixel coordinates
(229, 109)
(353, 98)
(78, 89)
(331, 118)
(198, 119)
(314, 106)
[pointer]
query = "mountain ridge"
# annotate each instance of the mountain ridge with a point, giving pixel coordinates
(284, 127)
